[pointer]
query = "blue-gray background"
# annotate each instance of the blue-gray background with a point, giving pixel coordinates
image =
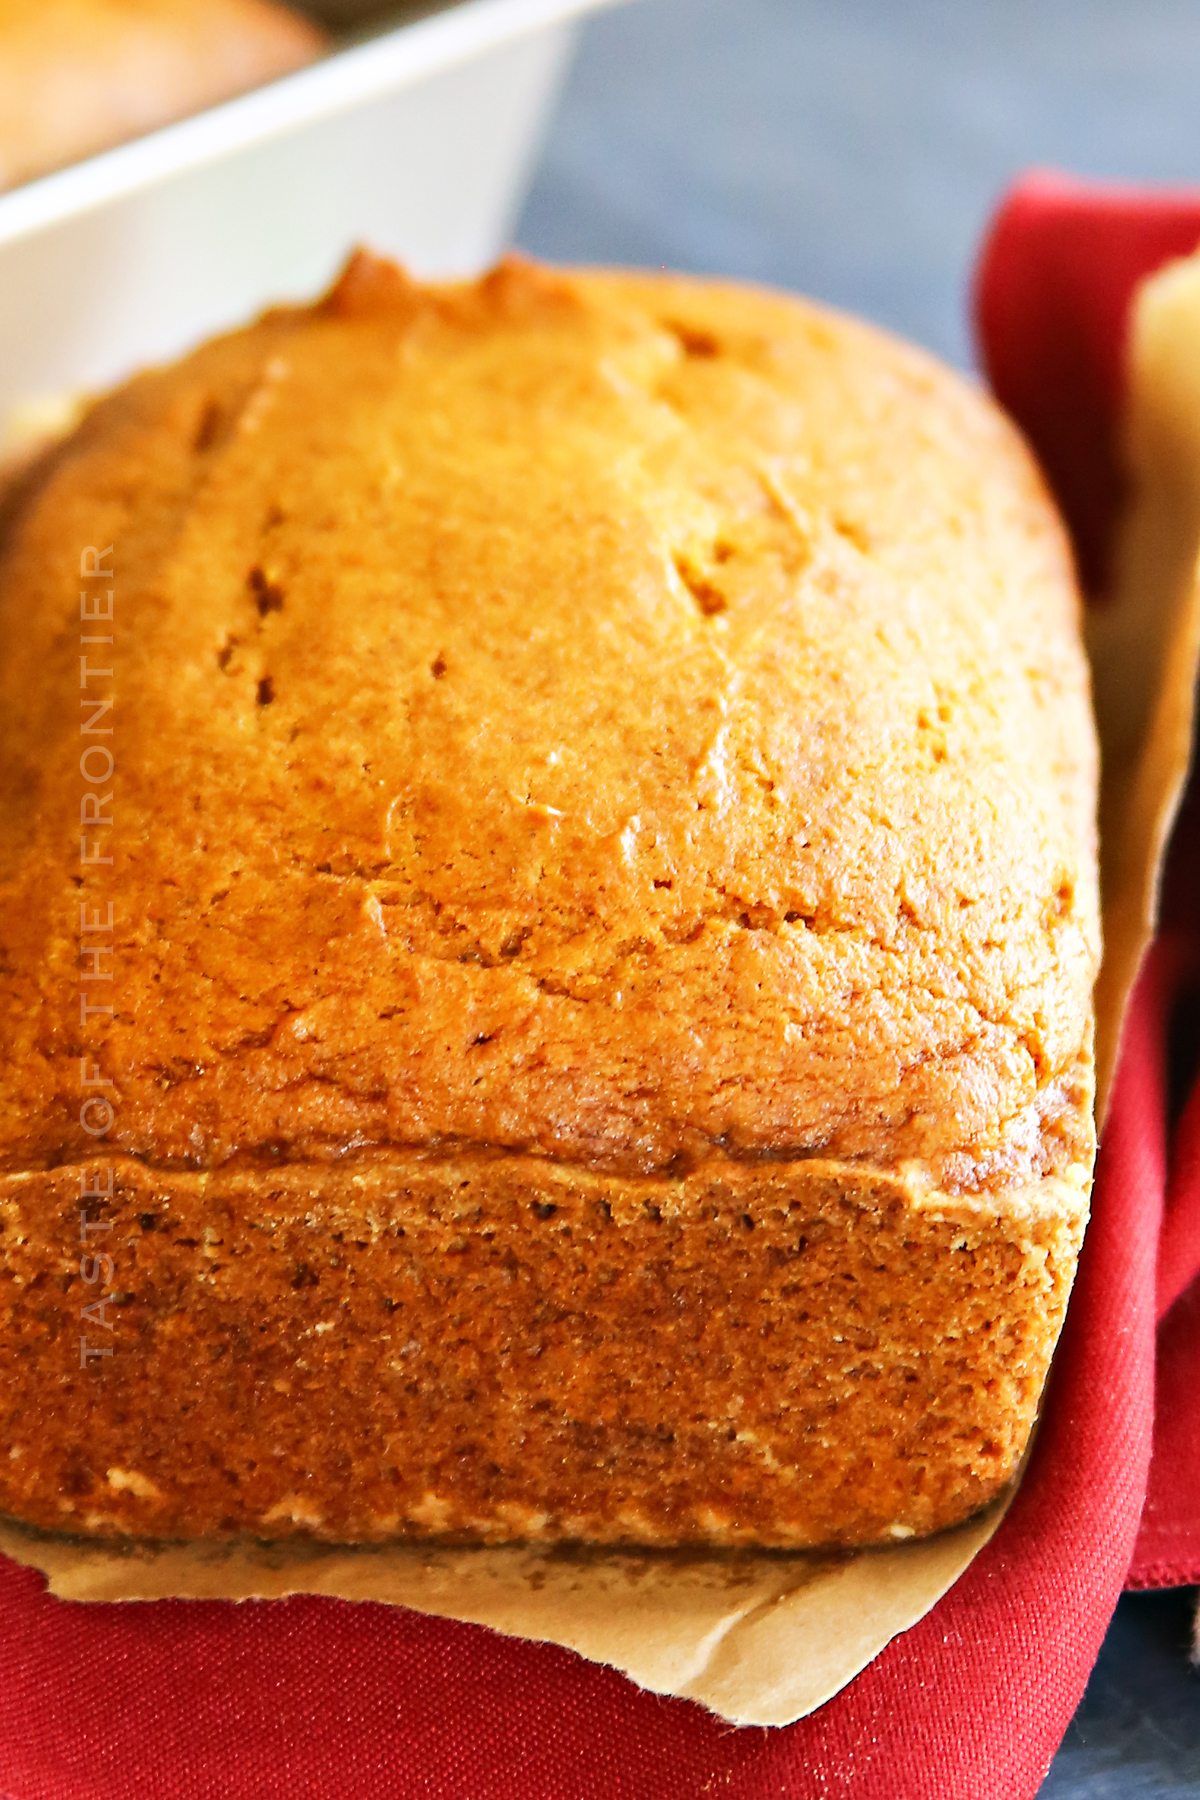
(853, 149)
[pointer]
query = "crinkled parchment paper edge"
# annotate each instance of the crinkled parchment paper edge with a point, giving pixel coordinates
(1144, 641)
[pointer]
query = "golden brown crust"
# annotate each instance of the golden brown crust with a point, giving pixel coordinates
(78, 76)
(570, 860)
(604, 728)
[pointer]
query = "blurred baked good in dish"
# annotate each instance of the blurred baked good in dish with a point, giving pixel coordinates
(78, 76)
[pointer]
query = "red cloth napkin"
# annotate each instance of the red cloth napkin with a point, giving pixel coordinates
(1053, 292)
(1168, 1545)
(319, 1700)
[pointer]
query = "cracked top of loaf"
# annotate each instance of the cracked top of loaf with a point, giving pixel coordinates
(623, 718)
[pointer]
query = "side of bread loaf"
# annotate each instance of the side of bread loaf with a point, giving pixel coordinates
(603, 926)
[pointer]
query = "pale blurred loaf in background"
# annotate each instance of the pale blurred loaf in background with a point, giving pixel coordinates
(78, 76)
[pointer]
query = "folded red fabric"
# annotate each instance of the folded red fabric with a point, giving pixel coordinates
(319, 1699)
(1055, 278)
(1054, 285)
(1168, 1546)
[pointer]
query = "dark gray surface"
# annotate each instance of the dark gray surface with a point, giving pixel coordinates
(1136, 1735)
(854, 151)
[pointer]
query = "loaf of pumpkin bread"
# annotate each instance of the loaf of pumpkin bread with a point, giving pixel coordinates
(549, 915)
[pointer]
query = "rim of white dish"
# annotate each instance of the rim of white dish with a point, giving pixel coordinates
(367, 70)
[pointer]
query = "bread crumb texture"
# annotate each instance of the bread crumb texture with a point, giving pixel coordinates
(604, 934)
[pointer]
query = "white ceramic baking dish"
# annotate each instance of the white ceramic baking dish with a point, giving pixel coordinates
(416, 140)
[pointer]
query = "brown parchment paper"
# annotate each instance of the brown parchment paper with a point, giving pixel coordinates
(762, 1639)
(1144, 641)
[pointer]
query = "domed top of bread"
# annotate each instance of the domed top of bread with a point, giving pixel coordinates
(626, 718)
